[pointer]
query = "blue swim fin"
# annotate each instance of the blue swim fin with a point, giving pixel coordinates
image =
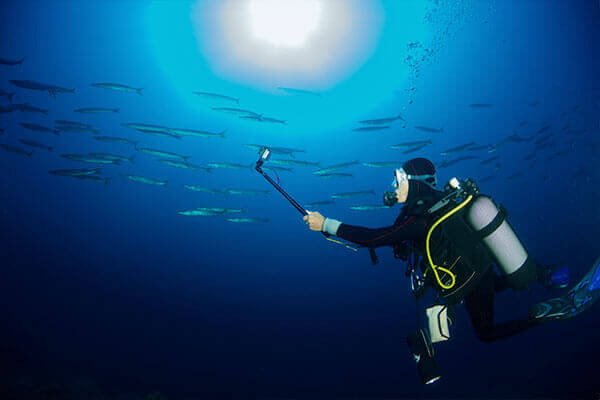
(560, 278)
(579, 299)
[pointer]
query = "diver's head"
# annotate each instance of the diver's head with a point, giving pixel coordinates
(411, 180)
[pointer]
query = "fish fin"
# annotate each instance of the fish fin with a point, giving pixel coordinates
(116, 110)
(139, 91)
(399, 116)
(178, 137)
(237, 101)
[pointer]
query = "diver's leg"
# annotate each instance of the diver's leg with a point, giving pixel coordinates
(480, 306)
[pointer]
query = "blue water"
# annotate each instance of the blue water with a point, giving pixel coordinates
(106, 286)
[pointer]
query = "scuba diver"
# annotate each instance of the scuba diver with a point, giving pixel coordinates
(450, 240)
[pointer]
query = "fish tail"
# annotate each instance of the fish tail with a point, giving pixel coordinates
(165, 184)
(50, 148)
(115, 110)
(222, 133)
(71, 90)
(131, 158)
(107, 180)
(21, 61)
(139, 91)
(10, 96)
(237, 101)
(56, 132)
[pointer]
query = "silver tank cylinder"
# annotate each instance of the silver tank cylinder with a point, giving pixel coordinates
(506, 248)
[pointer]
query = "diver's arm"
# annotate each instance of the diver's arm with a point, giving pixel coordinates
(413, 228)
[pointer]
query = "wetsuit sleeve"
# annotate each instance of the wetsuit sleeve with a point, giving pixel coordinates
(413, 228)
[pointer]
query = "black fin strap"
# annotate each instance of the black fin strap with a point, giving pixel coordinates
(374, 259)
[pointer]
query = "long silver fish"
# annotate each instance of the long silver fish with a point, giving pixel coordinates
(348, 195)
(300, 91)
(64, 122)
(92, 178)
(197, 133)
(381, 121)
(334, 168)
(184, 165)
(320, 203)
(114, 139)
(294, 163)
(198, 188)
(217, 96)
(143, 179)
(146, 127)
(276, 150)
(428, 129)
(75, 172)
(246, 191)
(96, 110)
(221, 210)
(162, 153)
(261, 118)
(5, 61)
(228, 165)
(381, 164)
(16, 150)
(368, 208)
(8, 95)
(6, 108)
(26, 107)
(33, 85)
(77, 129)
(489, 160)
(247, 220)
(113, 157)
(414, 149)
(39, 128)
(117, 87)
(88, 159)
(370, 128)
(198, 213)
(457, 148)
(32, 143)
(235, 111)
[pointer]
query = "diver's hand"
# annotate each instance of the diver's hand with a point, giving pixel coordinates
(314, 220)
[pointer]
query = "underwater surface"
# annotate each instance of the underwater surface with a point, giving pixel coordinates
(144, 257)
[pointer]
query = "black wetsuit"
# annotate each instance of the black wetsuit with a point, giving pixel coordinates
(412, 225)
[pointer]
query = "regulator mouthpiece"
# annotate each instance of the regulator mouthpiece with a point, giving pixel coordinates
(389, 198)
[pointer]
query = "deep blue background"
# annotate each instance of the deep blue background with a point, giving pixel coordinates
(108, 282)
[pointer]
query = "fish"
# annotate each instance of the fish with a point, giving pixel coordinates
(294, 163)
(480, 147)
(6, 108)
(143, 179)
(8, 95)
(457, 148)
(197, 188)
(65, 122)
(381, 121)
(428, 129)
(1, 131)
(381, 164)
(370, 128)
(261, 118)
(336, 167)
(217, 96)
(481, 105)
(39, 128)
(197, 213)
(413, 150)
(184, 165)
(276, 150)
(16, 150)
(228, 165)
(26, 107)
(77, 129)
(348, 195)
(522, 123)
(93, 178)
(320, 203)
(247, 220)
(88, 159)
(146, 127)
(117, 87)
(411, 144)
(162, 153)
(277, 168)
(113, 157)
(513, 176)
(447, 163)
(246, 191)
(33, 85)
(31, 143)
(75, 172)
(193, 132)
(300, 91)
(336, 175)
(221, 210)
(486, 179)
(159, 133)
(114, 139)
(489, 160)
(543, 129)
(96, 110)
(518, 139)
(5, 61)
(544, 138)
(534, 103)
(235, 111)
(368, 208)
